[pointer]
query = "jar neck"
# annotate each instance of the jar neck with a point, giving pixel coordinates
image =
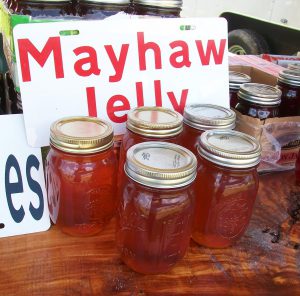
(161, 138)
(244, 101)
(159, 191)
(288, 85)
(77, 155)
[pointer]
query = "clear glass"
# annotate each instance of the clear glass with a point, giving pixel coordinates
(290, 99)
(153, 226)
(81, 190)
(224, 203)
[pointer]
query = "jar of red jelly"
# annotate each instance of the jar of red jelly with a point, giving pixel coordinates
(198, 118)
(81, 175)
(150, 124)
(48, 8)
(289, 84)
(154, 8)
(258, 100)
(102, 9)
(236, 79)
(226, 187)
(156, 208)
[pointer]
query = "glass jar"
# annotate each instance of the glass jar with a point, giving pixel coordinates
(198, 118)
(102, 9)
(154, 8)
(236, 79)
(149, 124)
(226, 187)
(156, 208)
(41, 9)
(289, 84)
(259, 100)
(81, 173)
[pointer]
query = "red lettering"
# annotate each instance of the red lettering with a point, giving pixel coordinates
(118, 64)
(91, 100)
(211, 50)
(52, 45)
(139, 94)
(178, 107)
(183, 54)
(91, 60)
(111, 109)
(157, 91)
(143, 47)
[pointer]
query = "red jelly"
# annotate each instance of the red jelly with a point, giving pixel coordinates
(258, 100)
(226, 187)
(157, 204)
(289, 84)
(198, 118)
(236, 79)
(81, 175)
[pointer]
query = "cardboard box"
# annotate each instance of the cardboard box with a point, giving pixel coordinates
(279, 137)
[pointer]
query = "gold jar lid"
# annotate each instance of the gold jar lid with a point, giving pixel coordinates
(236, 79)
(161, 165)
(81, 135)
(260, 94)
(207, 116)
(154, 122)
(229, 148)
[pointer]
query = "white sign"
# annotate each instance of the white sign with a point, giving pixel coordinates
(23, 202)
(105, 68)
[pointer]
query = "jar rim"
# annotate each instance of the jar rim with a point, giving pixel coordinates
(230, 149)
(160, 165)
(236, 79)
(81, 135)
(155, 122)
(290, 77)
(260, 94)
(209, 116)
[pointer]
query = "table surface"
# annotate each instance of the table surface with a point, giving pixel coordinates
(266, 261)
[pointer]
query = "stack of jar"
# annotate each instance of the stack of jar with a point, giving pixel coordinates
(178, 177)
